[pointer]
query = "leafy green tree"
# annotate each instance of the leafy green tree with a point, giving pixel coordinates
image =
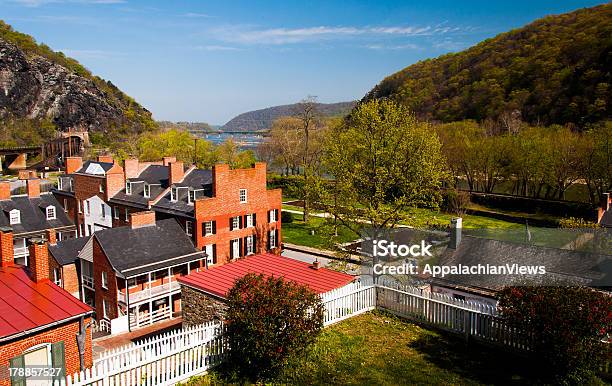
(269, 322)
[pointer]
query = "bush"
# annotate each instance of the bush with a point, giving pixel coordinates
(286, 218)
(455, 202)
(567, 324)
(269, 322)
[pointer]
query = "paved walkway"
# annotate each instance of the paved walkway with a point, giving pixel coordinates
(113, 341)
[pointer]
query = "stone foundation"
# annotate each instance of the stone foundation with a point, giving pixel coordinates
(199, 307)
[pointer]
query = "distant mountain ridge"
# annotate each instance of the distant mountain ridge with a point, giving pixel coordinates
(557, 69)
(37, 83)
(261, 120)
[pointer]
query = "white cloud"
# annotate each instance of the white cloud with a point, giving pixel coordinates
(216, 48)
(277, 36)
(195, 15)
(407, 46)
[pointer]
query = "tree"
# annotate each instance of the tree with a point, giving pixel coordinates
(567, 326)
(269, 322)
(383, 161)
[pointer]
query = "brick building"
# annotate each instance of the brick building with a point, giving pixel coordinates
(228, 213)
(40, 323)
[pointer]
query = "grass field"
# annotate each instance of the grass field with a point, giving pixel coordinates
(298, 232)
(377, 348)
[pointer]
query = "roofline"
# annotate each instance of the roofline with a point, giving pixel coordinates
(180, 280)
(43, 230)
(120, 201)
(150, 264)
(44, 327)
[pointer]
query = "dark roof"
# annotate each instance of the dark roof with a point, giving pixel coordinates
(106, 166)
(66, 251)
(27, 305)
(154, 174)
(563, 266)
(606, 219)
(199, 180)
(130, 249)
(218, 280)
(33, 214)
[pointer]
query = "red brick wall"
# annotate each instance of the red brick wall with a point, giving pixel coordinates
(73, 164)
(115, 181)
(5, 190)
(101, 264)
(39, 262)
(226, 204)
(66, 333)
(70, 277)
(33, 187)
(6, 248)
(119, 222)
(144, 218)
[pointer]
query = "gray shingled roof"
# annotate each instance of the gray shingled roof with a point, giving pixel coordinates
(106, 166)
(606, 219)
(153, 246)
(33, 214)
(66, 251)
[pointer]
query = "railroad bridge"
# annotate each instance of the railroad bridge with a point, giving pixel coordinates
(51, 154)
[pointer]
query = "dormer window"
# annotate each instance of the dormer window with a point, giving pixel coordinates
(191, 196)
(128, 188)
(173, 194)
(50, 212)
(147, 190)
(15, 216)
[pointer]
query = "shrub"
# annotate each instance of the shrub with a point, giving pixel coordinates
(567, 324)
(456, 202)
(286, 217)
(269, 322)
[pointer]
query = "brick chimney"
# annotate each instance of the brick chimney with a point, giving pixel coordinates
(5, 190)
(175, 172)
(6, 247)
(33, 187)
(142, 219)
(105, 158)
(39, 260)
(168, 160)
(220, 178)
(51, 236)
(131, 167)
(27, 174)
(455, 232)
(73, 164)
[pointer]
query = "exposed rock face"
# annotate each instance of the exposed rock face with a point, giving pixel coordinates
(35, 87)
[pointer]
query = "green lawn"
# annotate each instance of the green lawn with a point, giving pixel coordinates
(377, 348)
(298, 232)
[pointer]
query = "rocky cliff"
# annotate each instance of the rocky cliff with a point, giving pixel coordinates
(38, 83)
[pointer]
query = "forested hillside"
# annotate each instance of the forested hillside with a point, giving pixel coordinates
(557, 69)
(262, 119)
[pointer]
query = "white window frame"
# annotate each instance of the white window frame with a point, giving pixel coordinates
(206, 225)
(105, 314)
(146, 190)
(80, 205)
(101, 187)
(272, 236)
(249, 221)
(50, 211)
(235, 223)
(104, 281)
(127, 214)
(173, 194)
(235, 247)
(116, 211)
(272, 216)
(15, 216)
(191, 196)
(243, 196)
(189, 227)
(65, 205)
(57, 277)
(87, 207)
(128, 187)
(250, 245)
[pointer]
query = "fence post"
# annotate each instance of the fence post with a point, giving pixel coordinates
(466, 325)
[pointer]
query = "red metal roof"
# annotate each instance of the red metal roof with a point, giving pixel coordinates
(218, 280)
(26, 305)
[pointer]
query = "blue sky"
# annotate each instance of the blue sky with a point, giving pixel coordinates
(208, 61)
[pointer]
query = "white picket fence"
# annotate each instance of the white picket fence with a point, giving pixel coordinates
(177, 355)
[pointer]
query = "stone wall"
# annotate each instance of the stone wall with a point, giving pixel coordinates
(199, 307)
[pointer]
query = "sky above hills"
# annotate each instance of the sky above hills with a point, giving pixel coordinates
(209, 61)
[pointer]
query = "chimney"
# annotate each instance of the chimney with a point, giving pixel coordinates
(142, 219)
(455, 232)
(168, 160)
(27, 174)
(39, 260)
(33, 187)
(51, 236)
(175, 172)
(6, 247)
(316, 265)
(220, 174)
(105, 158)
(131, 167)
(73, 164)
(608, 200)
(5, 190)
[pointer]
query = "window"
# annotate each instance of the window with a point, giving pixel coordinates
(15, 216)
(57, 276)
(132, 282)
(127, 214)
(208, 228)
(272, 239)
(104, 280)
(66, 205)
(105, 308)
(250, 245)
(188, 228)
(89, 230)
(101, 188)
(87, 207)
(235, 223)
(80, 206)
(243, 196)
(211, 254)
(147, 190)
(128, 188)
(235, 248)
(51, 212)
(191, 196)
(273, 215)
(103, 208)
(116, 211)
(173, 194)
(250, 220)
(46, 355)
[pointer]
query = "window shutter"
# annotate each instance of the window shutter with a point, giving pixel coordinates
(269, 216)
(214, 256)
(245, 245)
(254, 219)
(276, 218)
(254, 244)
(240, 222)
(231, 224)
(17, 363)
(231, 249)
(240, 246)
(268, 242)
(245, 221)
(214, 227)
(204, 229)
(276, 240)
(58, 360)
